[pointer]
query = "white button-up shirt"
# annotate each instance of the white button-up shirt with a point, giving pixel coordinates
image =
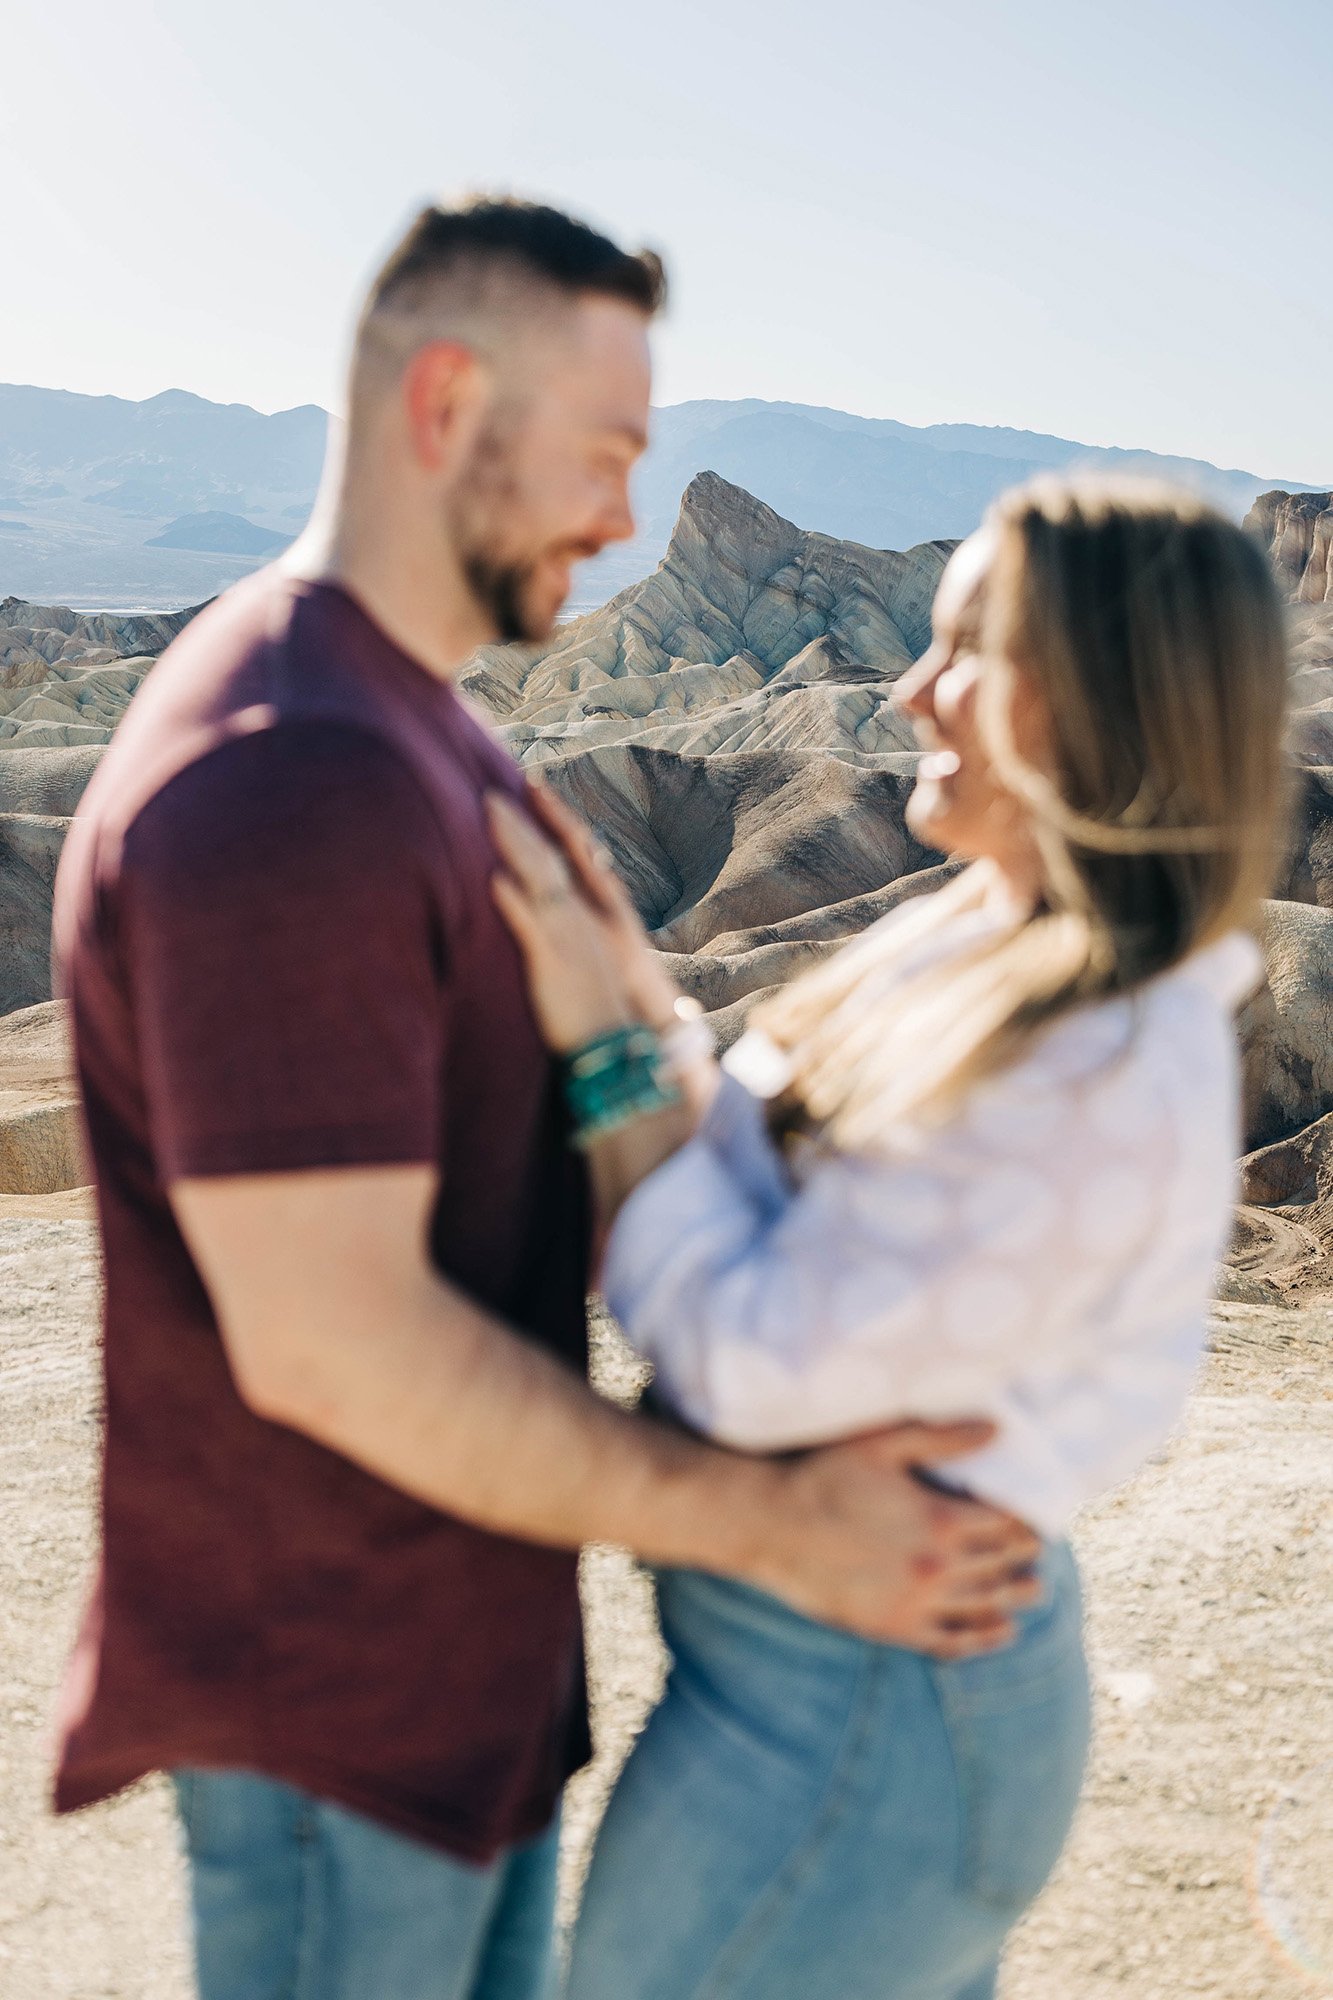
(1045, 1258)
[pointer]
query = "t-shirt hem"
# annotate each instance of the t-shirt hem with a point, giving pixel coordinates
(459, 1838)
(296, 1151)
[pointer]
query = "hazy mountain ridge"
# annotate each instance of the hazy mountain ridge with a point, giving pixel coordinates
(175, 448)
(95, 482)
(868, 479)
(91, 485)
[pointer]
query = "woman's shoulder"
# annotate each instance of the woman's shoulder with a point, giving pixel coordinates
(1227, 972)
(1184, 1020)
(1144, 1062)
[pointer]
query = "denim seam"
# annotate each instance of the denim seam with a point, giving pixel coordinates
(965, 1720)
(962, 1752)
(801, 1861)
(304, 1968)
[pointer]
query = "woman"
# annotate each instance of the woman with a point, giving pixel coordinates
(979, 1161)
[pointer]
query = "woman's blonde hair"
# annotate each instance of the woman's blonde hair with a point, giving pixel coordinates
(1154, 631)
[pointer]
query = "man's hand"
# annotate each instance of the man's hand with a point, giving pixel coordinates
(861, 1541)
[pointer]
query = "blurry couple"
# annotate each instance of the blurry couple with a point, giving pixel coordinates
(373, 1050)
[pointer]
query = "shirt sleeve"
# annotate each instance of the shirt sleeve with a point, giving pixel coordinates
(877, 1289)
(281, 938)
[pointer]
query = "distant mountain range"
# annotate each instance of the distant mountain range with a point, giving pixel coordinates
(152, 504)
(109, 503)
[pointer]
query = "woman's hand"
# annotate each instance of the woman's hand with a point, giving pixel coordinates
(573, 945)
(652, 992)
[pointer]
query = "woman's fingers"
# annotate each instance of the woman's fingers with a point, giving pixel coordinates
(591, 861)
(535, 863)
(976, 1607)
(573, 833)
(517, 911)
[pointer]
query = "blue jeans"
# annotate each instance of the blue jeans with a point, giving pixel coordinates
(298, 1899)
(809, 1816)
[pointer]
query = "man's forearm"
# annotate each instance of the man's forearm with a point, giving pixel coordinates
(451, 1405)
(336, 1324)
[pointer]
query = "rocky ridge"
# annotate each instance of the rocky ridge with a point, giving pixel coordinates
(727, 724)
(1297, 529)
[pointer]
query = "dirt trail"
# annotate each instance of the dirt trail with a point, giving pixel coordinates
(1210, 1587)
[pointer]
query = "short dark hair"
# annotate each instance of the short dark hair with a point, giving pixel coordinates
(542, 241)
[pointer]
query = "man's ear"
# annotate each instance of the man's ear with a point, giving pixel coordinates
(442, 391)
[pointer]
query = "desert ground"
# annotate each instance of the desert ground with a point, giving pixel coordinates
(1203, 1854)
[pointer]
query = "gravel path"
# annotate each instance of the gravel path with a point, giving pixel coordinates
(1206, 1835)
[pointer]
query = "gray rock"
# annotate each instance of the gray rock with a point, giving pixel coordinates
(41, 1143)
(30, 847)
(1297, 531)
(1287, 1031)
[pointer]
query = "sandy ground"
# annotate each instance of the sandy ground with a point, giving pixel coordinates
(1203, 1858)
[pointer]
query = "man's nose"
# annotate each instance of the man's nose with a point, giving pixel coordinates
(616, 523)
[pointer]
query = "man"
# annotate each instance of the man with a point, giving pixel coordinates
(350, 1454)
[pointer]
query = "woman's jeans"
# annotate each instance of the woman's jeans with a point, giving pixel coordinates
(809, 1816)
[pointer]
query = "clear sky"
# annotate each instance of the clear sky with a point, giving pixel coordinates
(1114, 222)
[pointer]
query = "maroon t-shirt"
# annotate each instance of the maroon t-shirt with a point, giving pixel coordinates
(275, 927)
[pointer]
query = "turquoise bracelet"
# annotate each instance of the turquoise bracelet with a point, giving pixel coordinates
(614, 1078)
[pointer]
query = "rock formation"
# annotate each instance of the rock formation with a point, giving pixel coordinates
(751, 634)
(1297, 530)
(727, 725)
(65, 681)
(30, 845)
(39, 790)
(33, 634)
(1288, 1029)
(41, 1147)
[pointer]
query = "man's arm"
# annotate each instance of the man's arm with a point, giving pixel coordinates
(336, 1324)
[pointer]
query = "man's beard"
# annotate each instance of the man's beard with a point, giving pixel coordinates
(500, 592)
(499, 582)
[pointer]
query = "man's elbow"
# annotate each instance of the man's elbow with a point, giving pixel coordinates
(278, 1382)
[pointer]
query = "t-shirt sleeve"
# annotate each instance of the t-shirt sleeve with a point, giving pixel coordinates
(284, 949)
